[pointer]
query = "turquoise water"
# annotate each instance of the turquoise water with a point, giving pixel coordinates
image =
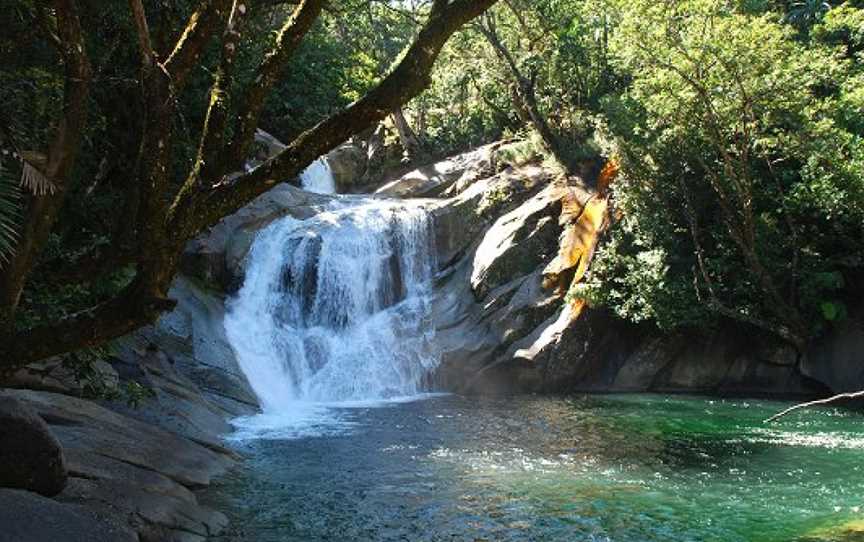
(616, 468)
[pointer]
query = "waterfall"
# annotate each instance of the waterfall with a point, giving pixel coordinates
(318, 177)
(336, 308)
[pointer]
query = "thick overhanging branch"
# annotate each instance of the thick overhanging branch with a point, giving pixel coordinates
(252, 101)
(409, 78)
(160, 237)
(116, 317)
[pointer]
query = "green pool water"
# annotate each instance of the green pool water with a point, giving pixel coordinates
(616, 468)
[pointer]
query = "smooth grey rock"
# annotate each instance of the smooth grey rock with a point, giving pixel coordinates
(30, 456)
(156, 516)
(27, 517)
(462, 220)
(837, 358)
(95, 466)
(85, 427)
(519, 242)
(641, 369)
(435, 179)
(348, 164)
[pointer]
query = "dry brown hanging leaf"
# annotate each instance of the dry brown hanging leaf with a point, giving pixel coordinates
(32, 177)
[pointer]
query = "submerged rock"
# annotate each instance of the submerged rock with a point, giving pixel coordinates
(30, 456)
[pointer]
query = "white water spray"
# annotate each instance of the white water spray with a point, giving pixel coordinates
(318, 177)
(336, 308)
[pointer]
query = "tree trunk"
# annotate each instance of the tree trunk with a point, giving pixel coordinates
(410, 142)
(524, 97)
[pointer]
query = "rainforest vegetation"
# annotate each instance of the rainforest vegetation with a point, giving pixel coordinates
(737, 126)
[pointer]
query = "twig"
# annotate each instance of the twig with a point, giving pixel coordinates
(839, 397)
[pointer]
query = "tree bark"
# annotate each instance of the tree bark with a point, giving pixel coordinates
(408, 79)
(252, 102)
(407, 137)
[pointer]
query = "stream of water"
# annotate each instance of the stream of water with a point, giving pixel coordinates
(332, 328)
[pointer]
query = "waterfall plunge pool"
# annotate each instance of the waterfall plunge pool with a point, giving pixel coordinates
(332, 328)
(605, 468)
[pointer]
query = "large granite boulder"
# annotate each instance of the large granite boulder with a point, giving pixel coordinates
(433, 180)
(30, 456)
(519, 242)
(462, 220)
(138, 475)
(347, 164)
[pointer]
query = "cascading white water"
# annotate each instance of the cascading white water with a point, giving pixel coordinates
(318, 177)
(336, 308)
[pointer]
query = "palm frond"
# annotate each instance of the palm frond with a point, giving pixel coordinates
(32, 177)
(10, 199)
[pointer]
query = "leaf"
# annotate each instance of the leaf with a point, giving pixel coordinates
(34, 180)
(833, 311)
(9, 214)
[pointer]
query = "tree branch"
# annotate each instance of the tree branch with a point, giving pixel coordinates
(287, 41)
(63, 150)
(196, 35)
(143, 32)
(834, 399)
(114, 318)
(408, 79)
(213, 133)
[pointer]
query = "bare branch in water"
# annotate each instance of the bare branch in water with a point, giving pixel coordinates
(839, 397)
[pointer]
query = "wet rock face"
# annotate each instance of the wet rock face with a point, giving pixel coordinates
(836, 358)
(30, 456)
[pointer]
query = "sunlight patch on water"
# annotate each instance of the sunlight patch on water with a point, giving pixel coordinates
(843, 441)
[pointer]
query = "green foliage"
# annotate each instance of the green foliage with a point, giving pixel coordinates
(10, 197)
(521, 152)
(736, 135)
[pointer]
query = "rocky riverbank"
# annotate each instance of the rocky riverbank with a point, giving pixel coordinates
(127, 472)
